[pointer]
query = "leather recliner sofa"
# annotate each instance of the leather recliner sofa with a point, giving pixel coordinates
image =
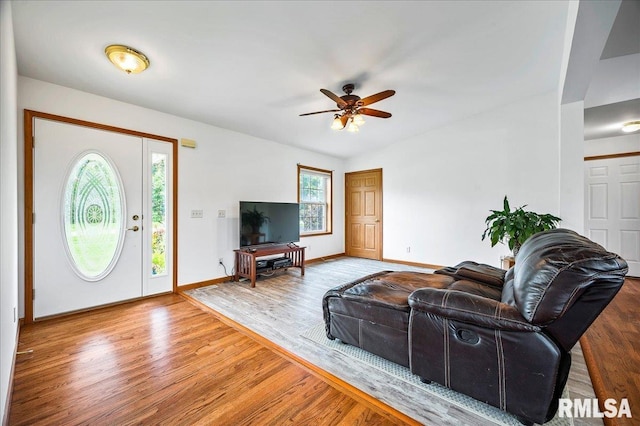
(501, 337)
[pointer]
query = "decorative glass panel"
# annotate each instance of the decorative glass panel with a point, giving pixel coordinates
(92, 215)
(158, 211)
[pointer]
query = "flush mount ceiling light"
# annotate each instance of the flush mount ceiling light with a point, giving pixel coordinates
(127, 59)
(631, 126)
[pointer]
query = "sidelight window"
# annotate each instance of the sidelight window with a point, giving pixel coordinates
(159, 214)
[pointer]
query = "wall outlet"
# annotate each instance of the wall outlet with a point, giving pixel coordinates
(220, 260)
(408, 249)
(197, 214)
(222, 214)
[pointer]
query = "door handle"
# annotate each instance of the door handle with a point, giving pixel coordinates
(134, 229)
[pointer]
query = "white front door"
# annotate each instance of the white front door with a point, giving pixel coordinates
(612, 207)
(92, 231)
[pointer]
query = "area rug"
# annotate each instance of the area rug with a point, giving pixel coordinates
(317, 335)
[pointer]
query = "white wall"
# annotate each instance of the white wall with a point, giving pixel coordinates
(225, 167)
(615, 145)
(439, 186)
(8, 203)
(572, 166)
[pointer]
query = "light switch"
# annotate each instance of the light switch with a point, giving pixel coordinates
(197, 214)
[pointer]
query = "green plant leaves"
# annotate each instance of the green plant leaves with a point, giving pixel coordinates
(515, 227)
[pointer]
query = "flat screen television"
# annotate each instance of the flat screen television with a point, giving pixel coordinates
(268, 223)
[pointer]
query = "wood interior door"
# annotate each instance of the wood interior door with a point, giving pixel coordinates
(363, 214)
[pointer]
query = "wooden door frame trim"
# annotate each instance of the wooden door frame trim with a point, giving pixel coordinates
(29, 117)
(381, 206)
(607, 156)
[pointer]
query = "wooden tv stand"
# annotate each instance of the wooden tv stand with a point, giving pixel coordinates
(246, 259)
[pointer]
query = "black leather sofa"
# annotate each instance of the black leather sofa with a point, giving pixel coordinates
(502, 337)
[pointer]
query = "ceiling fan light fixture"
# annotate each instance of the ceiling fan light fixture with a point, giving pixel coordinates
(352, 127)
(358, 119)
(337, 123)
(126, 58)
(631, 126)
(351, 108)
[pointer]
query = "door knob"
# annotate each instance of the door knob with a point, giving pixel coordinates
(134, 229)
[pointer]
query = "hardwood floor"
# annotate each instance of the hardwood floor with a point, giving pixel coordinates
(283, 307)
(165, 361)
(612, 351)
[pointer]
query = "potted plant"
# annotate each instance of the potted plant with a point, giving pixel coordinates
(514, 227)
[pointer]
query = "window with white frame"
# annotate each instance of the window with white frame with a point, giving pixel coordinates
(314, 197)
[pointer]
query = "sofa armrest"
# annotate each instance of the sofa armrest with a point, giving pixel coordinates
(470, 309)
(480, 272)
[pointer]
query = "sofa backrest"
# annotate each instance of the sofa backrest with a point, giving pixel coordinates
(562, 281)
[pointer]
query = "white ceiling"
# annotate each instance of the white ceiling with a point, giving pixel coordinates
(606, 121)
(254, 66)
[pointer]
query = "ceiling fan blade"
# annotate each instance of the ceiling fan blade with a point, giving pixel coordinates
(320, 112)
(337, 99)
(344, 120)
(374, 112)
(377, 97)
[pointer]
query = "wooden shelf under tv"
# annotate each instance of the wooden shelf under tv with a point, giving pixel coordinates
(246, 259)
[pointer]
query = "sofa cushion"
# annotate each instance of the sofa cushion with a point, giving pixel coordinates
(372, 312)
(553, 268)
(393, 288)
(476, 288)
(480, 272)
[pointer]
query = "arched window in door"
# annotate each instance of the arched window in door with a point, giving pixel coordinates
(92, 216)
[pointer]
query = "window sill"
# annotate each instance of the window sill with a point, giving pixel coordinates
(315, 234)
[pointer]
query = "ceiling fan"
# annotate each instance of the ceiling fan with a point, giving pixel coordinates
(352, 108)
